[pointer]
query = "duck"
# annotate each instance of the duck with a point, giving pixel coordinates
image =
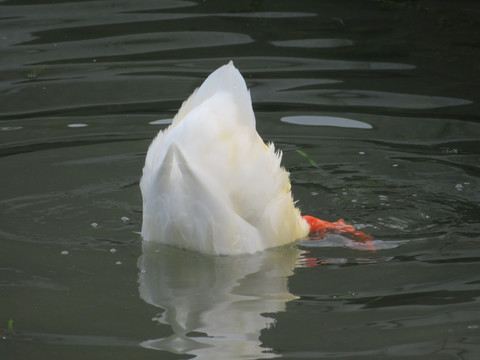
(211, 184)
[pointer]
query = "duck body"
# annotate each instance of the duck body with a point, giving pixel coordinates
(211, 184)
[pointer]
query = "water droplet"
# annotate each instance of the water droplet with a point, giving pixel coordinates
(113, 250)
(64, 252)
(459, 187)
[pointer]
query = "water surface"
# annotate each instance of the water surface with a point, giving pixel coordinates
(375, 107)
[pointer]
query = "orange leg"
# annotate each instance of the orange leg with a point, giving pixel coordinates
(322, 227)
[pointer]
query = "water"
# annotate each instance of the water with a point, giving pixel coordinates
(381, 100)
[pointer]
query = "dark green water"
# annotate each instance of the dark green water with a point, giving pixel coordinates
(382, 96)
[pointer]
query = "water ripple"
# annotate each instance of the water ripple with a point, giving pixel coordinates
(314, 43)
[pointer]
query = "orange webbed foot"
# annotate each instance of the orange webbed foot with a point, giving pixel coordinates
(322, 227)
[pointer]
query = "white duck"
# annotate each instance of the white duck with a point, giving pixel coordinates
(211, 184)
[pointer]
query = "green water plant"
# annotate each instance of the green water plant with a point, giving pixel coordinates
(308, 158)
(10, 325)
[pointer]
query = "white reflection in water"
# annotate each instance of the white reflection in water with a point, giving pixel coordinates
(11, 128)
(325, 121)
(161, 122)
(214, 304)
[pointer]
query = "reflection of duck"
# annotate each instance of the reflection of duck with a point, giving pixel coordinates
(211, 184)
(214, 304)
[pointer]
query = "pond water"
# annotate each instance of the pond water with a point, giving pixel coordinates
(375, 105)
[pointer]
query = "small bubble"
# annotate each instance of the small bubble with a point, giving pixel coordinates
(64, 252)
(459, 187)
(113, 250)
(450, 151)
(94, 225)
(125, 219)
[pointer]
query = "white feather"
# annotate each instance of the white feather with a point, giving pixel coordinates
(210, 183)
